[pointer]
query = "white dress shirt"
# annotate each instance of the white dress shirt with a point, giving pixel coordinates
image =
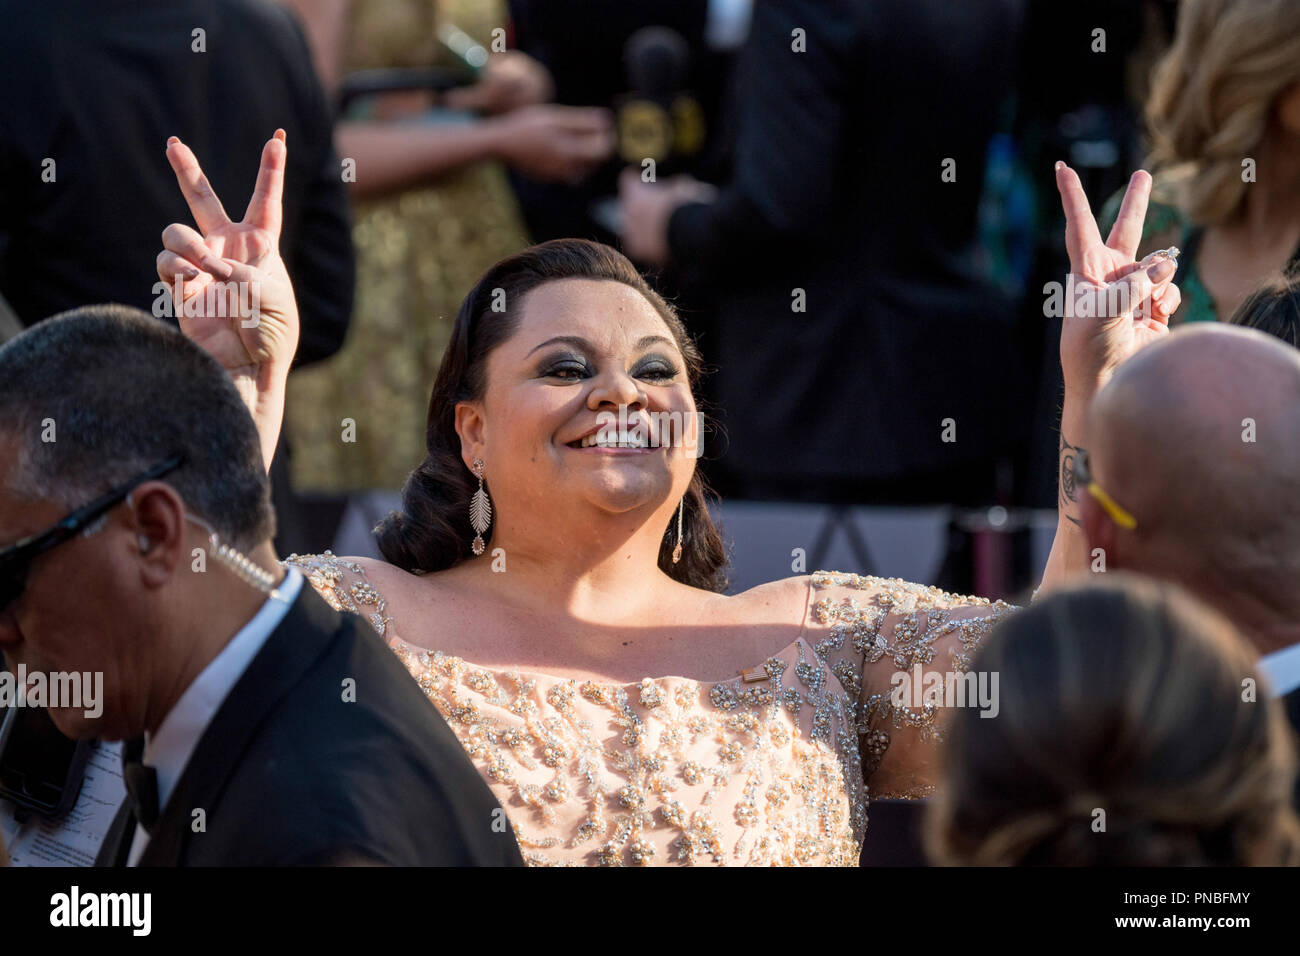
(1282, 668)
(726, 24)
(169, 750)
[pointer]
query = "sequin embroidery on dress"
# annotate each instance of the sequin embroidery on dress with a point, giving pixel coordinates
(761, 769)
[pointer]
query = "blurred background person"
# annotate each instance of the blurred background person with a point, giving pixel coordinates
(84, 227)
(1125, 736)
(666, 70)
(1084, 73)
(662, 66)
(851, 310)
(1223, 119)
(93, 90)
(433, 210)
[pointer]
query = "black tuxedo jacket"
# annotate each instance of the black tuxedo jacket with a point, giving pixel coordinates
(98, 86)
(289, 773)
(838, 191)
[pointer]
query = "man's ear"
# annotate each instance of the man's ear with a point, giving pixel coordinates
(472, 429)
(1099, 531)
(156, 522)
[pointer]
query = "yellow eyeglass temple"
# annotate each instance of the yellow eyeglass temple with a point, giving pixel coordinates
(1117, 514)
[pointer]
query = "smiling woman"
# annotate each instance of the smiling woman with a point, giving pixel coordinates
(619, 706)
(501, 332)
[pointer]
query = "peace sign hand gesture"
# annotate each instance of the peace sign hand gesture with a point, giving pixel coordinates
(236, 300)
(1131, 302)
(230, 288)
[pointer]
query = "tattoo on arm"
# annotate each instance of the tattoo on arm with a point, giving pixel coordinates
(1066, 489)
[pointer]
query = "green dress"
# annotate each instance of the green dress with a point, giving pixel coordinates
(1167, 226)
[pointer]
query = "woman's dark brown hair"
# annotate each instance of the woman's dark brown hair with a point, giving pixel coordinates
(1274, 307)
(1127, 697)
(432, 531)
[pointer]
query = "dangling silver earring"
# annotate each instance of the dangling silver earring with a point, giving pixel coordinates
(480, 509)
(677, 548)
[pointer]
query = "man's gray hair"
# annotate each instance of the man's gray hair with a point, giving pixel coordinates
(98, 395)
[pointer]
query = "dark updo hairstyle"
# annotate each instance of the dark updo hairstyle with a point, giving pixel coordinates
(432, 532)
(1274, 307)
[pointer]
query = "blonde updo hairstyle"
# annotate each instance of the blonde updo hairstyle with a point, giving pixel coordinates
(1212, 97)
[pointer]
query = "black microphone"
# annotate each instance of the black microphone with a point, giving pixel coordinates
(656, 59)
(658, 119)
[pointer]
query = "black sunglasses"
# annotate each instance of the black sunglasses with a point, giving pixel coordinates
(17, 558)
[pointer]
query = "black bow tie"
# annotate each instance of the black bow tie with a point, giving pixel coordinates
(141, 783)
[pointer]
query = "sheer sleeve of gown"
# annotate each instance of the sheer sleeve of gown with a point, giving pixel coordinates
(344, 586)
(902, 655)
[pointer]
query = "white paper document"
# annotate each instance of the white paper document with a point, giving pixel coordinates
(75, 839)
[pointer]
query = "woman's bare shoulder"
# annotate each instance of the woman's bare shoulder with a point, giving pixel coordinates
(794, 596)
(381, 573)
(784, 598)
(798, 589)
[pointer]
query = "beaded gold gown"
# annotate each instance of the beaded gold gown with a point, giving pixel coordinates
(419, 251)
(770, 767)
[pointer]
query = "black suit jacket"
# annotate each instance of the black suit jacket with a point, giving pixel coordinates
(97, 86)
(838, 191)
(288, 773)
(559, 35)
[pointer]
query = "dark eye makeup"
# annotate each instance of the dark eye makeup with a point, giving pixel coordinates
(566, 367)
(571, 367)
(656, 367)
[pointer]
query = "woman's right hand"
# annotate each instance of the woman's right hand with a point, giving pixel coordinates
(236, 301)
(230, 288)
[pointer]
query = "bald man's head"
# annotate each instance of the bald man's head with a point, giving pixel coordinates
(1198, 437)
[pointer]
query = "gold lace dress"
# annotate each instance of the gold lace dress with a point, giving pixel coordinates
(419, 251)
(770, 767)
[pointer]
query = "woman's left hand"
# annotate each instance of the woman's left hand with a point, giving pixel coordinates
(1130, 304)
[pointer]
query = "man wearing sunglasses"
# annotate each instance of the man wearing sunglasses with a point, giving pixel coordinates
(135, 542)
(1192, 474)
